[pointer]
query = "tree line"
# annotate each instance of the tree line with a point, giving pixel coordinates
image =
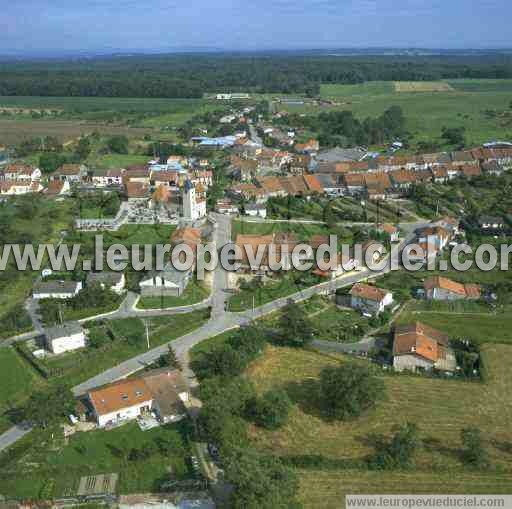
(193, 75)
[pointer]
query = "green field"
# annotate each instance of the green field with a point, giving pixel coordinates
(441, 408)
(117, 161)
(96, 104)
(17, 381)
(428, 112)
(39, 466)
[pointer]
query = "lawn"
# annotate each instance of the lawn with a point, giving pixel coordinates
(274, 289)
(56, 466)
(440, 407)
(17, 381)
(194, 293)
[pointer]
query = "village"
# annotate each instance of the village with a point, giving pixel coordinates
(139, 351)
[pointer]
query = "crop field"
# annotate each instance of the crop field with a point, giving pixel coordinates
(67, 118)
(441, 408)
(422, 86)
(481, 106)
(16, 130)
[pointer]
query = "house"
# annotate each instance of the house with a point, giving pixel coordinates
(418, 347)
(491, 224)
(65, 338)
(354, 183)
(121, 401)
(186, 235)
(140, 174)
(442, 288)
(114, 281)
(19, 172)
(310, 147)
(57, 188)
(136, 191)
(226, 207)
(434, 234)
(13, 187)
(369, 299)
(256, 210)
(168, 179)
(170, 392)
(168, 282)
(392, 231)
(343, 264)
(492, 168)
(260, 251)
(244, 168)
(332, 185)
(73, 173)
(56, 289)
(376, 248)
(105, 178)
(440, 174)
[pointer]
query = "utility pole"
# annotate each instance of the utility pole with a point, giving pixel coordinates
(147, 332)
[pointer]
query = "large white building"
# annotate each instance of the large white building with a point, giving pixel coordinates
(121, 401)
(56, 289)
(369, 299)
(65, 338)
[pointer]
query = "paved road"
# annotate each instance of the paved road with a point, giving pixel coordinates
(12, 435)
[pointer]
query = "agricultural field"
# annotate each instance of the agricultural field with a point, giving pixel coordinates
(67, 118)
(441, 408)
(480, 106)
(422, 86)
(44, 468)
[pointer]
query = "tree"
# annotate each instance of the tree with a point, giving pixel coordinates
(454, 135)
(272, 409)
(83, 148)
(296, 328)
(261, 482)
(349, 390)
(118, 144)
(399, 452)
(46, 408)
(474, 453)
(50, 161)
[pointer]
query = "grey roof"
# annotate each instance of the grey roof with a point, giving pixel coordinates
(108, 278)
(56, 287)
(170, 274)
(255, 206)
(341, 154)
(326, 180)
(64, 330)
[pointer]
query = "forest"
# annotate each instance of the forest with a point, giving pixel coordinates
(191, 76)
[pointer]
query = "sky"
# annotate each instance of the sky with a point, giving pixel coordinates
(38, 26)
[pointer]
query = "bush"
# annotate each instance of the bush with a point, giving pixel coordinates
(272, 409)
(349, 390)
(474, 453)
(399, 452)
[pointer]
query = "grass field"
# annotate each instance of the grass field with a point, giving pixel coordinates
(441, 408)
(17, 381)
(427, 112)
(57, 467)
(194, 293)
(117, 160)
